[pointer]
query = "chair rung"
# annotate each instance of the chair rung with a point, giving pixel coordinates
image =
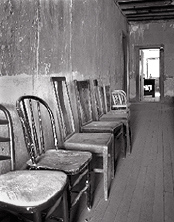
(97, 170)
(4, 139)
(3, 122)
(56, 218)
(3, 157)
(79, 178)
(119, 134)
(79, 195)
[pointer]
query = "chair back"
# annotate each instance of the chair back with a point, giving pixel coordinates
(7, 136)
(84, 102)
(65, 112)
(98, 99)
(119, 99)
(107, 98)
(37, 119)
(103, 98)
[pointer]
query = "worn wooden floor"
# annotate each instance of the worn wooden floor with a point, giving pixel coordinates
(143, 187)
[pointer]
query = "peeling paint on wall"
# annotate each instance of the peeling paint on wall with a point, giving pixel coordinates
(137, 31)
(41, 38)
(172, 26)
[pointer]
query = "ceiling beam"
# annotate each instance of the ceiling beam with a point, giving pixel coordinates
(155, 8)
(130, 1)
(147, 11)
(150, 19)
(144, 4)
(162, 15)
(141, 10)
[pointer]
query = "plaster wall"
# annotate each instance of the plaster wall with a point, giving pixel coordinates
(39, 38)
(149, 35)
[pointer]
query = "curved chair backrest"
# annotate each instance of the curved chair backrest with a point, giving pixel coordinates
(119, 99)
(9, 138)
(36, 117)
(120, 91)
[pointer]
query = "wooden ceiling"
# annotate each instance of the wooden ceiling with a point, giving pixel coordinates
(142, 10)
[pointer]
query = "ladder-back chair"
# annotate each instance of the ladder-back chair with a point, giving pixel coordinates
(86, 123)
(39, 126)
(100, 144)
(8, 138)
(27, 192)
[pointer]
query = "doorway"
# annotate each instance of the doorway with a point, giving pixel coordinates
(150, 74)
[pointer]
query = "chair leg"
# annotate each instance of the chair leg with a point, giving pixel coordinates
(89, 193)
(123, 143)
(112, 161)
(105, 174)
(128, 137)
(66, 209)
(37, 217)
(69, 201)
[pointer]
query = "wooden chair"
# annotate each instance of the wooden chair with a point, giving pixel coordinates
(119, 101)
(106, 113)
(100, 144)
(29, 192)
(8, 137)
(86, 122)
(39, 131)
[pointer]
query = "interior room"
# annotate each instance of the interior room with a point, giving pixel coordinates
(86, 110)
(150, 74)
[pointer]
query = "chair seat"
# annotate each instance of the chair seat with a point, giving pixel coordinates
(95, 142)
(125, 111)
(115, 114)
(119, 111)
(30, 188)
(102, 127)
(68, 161)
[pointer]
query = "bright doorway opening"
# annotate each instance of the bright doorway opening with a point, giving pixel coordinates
(149, 71)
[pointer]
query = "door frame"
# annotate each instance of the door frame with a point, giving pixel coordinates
(125, 61)
(161, 78)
